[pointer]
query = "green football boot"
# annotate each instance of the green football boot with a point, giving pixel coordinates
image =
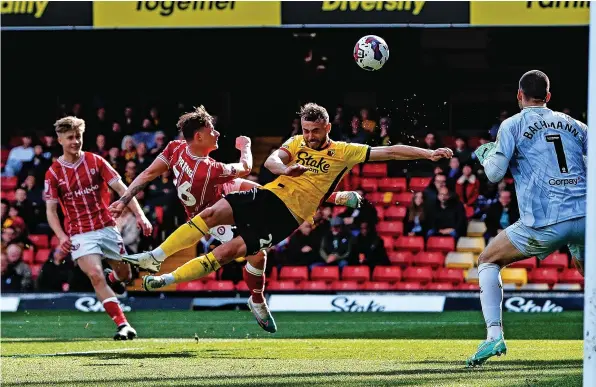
(153, 282)
(486, 350)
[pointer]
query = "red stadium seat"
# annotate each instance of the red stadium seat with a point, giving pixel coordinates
(192, 286)
(408, 286)
(474, 142)
(159, 214)
(282, 285)
(439, 286)
(571, 276)
(548, 276)
(359, 273)
(374, 170)
(393, 229)
(452, 276)
(40, 241)
(403, 198)
(4, 155)
(467, 286)
(528, 264)
(395, 213)
(28, 256)
(242, 287)
(355, 182)
(8, 183)
(324, 273)
(448, 141)
(386, 274)
(345, 286)
(294, 273)
(54, 242)
(401, 258)
(376, 286)
(444, 244)
(314, 286)
(220, 286)
(410, 243)
(42, 255)
(418, 184)
(369, 184)
(392, 184)
(9, 195)
(557, 260)
(380, 212)
(35, 270)
(272, 274)
(388, 242)
(209, 277)
(377, 197)
(356, 170)
(432, 259)
(418, 274)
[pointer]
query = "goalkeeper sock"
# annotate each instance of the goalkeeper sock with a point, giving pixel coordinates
(195, 268)
(255, 280)
(185, 236)
(491, 297)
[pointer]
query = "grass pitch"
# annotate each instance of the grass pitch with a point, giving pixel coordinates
(312, 349)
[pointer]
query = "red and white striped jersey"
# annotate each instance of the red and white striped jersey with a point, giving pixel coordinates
(82, 190)
(198, 180)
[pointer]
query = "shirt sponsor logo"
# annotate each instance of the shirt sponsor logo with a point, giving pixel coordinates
(564, 181)
(81, 192)
(313, 164)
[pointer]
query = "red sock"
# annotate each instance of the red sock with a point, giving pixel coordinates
(255, 282)
(113, 309)
(112, 277)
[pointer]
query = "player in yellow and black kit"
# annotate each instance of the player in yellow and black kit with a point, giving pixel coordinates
(309, 167)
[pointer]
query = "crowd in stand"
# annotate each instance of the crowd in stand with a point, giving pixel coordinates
(457, 192)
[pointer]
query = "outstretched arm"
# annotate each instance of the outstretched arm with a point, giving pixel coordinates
(244, 165)
(405, 152)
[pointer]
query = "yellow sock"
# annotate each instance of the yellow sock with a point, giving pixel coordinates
(185, 236)
(196, 268)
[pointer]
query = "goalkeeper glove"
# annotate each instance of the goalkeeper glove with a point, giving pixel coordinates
(485, 151)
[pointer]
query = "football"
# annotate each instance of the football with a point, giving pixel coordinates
(371, 52)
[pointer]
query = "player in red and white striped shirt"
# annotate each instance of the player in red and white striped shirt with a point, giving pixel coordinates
(79, 182)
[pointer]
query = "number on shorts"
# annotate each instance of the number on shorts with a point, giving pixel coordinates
(184, 190)
(556, 140)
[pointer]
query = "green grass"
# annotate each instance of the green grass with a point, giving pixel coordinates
(314, 349)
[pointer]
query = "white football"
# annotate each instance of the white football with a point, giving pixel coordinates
(371, 52)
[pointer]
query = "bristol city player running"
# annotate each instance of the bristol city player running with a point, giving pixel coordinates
(79, 182)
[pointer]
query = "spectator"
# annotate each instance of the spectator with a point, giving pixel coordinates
(384, 138)
(501, 215)
(160, 144)
(37, 166)
(129, 150)
(114, 159)
(431, 193)
(461, 151)
(17, 276)
(100, 147)
(116, 135)
(154, 117)
(454, 172)
(4, 206)
(34, 192)
(468, 187)
(9, 234)
(337, 246)
(448, 216)
(367, 124)
(51, 148)
(143, 160)
(19, 155)
(430, 141)
(130, 172)
(370, 247)
(415, 220)
(495, 128)
(131, 234)
(24, 207)
(129, 125)
(357, 134)
(302, 247)
(55, 273)
(366, 213)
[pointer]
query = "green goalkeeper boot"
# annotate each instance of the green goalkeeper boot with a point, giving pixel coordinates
(486, 350)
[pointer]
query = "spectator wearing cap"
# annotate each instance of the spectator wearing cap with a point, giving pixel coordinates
(337, 246)
(160, 143)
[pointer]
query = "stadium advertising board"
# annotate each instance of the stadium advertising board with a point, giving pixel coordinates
(530, 13)
(30, 14)
(375, 12)
(356, 303)
(181, 14)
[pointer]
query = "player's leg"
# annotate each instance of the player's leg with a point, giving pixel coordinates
(254, 276)
(577, 245)
(118, 276)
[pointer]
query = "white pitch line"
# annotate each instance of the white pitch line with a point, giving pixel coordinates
(76, 353)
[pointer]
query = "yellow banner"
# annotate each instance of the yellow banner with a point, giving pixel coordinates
(530, 13)
(149, 14)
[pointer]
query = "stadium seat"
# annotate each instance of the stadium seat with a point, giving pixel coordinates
(455, 260)
(380, 212)
(376, 286)
(571, 276)
(443, 244)
(40, 241)
(220, 286)
(468, 286)
(377, 197)
(519, 277)
(567, 287)
(4, 155)
(474, 142)
(314, 286)
(453, 276)
(401, 258)
(420, 274)
(9, 195)
(535, 287)
(209, 277)
(369, 184)
(395, 213)
(392, 184)
(28, 256)
(410, 243)
(344, 286)
(8, 183)
(403, 198)
(390, 228)
(548, 275)
(42, 255)
(192, 286)
(509, 287)
(359, 273)
(356, 170)
(54, 242)
(449, 141)
(557, 260)
(35, 270)
(528, 264)
(324, 273)
(386, 274)
(472, 276)
(355, 181)
(432, 259)
(439, 286)
(242, 287)
(388, 242)
(294, 273)
(470, 245)
(408, 286)
(158, 214)
(418, 184)
(374, 170)
(476, 228)
(469, 211)
(282, 285)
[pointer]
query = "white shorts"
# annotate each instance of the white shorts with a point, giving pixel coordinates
(106, 242)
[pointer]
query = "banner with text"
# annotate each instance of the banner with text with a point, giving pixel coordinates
(27, 14)
(530, 13)
(180, 14)
(356, 303)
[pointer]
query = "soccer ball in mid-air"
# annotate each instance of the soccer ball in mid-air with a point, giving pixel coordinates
(371, 52)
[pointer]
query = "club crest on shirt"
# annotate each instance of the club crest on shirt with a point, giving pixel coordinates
(75, 246)
(92, 171)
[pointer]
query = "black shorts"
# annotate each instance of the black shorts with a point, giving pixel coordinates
(261, 218)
